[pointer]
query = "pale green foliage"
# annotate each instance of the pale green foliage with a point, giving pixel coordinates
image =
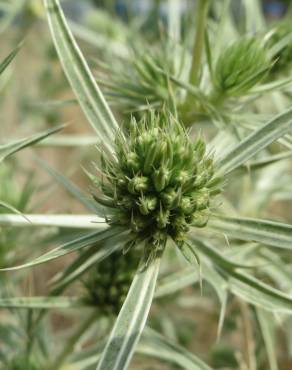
(153, 186)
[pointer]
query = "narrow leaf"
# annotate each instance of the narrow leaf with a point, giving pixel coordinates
(11, 148)
(155, 345)
(271, 233)
(87, 259)
(62, 221)
(267, 326)
(41, 302)
(69, 247)
(88, 203)
(256, 141)
(131, 320)
(5, 63)
(77, 71)
(245, 285)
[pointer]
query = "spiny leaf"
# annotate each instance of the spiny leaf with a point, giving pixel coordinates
(72, 188)
(41, 302)
(5, 63)
(69, 247)
(61, 221)
(77, 71)
(245, 285)
(87, 259)
(271, 233)
(131, 320)
(268, 330)
(256, 141)
(11, 148)
(155, 345)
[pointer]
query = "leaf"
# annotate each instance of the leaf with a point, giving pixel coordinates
(176, 281)
(271, 233)
(271, 86)
(5, 63)
(267, 326)
(155, 345)
(69, 141)
(69, 247)
(61, 221)
(41, 302)
(256, 141)
(11, 148)
(88, 203)
(100, 41)
(82, 81)
(131, 320)
(87, 259)
(244, 285)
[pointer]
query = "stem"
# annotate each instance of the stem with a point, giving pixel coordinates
(69, 347)
(201, 18)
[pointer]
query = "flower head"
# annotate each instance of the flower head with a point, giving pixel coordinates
(140, 83)
(241, 66)
(160, 183)
(108, 283)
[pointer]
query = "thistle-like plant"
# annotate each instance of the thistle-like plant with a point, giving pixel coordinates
(154, 183)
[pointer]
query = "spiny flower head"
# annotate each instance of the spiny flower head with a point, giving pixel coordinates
(140, 83)
(160, 183)
(108, 283)
(241, 66)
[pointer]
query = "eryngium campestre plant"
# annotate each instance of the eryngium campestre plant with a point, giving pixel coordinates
(241, 66)
(160, 182)
(108, 283)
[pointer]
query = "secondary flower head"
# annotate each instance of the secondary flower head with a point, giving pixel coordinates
(160, 183)
(142, 82)
(108, 283)
(241, 66)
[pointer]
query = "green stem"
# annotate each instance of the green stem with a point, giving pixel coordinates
(69, 347)
(201, 18)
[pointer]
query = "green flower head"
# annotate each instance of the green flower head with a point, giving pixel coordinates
(108, 283)
(140, 84)
(241, 66)
(160, 183)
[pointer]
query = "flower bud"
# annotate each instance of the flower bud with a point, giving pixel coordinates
(147, 204)
(160, 178)
(138, 184)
